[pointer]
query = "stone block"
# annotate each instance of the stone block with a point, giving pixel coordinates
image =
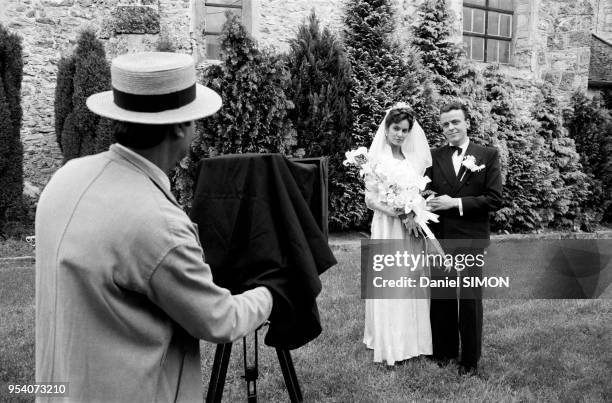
(553, 77)
(578, 39)
(567, 80)
(555, 41)
(135, 20)
(57, 3)
(46, 21)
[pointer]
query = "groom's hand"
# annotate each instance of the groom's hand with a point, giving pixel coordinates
(444, 202)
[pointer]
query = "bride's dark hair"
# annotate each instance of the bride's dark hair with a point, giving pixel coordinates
(396, 115)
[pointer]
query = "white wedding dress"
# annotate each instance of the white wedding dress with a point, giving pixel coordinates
(398, 329)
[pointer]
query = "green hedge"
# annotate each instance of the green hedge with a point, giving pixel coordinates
(383, 74)
(253, 118)
(320, 89)
(589, 123)
(11, 149)
(570, 182)
(80, 75)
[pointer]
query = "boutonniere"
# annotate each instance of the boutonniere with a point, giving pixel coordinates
(469, 161)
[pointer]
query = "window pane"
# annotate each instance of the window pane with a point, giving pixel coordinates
(467, 41)
(224, 2)
(467, 19)
(503, 4)
(215, 17)
(493, 28)
(505, 25)
(492, 45)
(213, 47)
(479, 24)
(475, 2)
(477, 48)
(504, 51)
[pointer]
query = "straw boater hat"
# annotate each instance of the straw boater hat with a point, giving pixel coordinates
(154, 88)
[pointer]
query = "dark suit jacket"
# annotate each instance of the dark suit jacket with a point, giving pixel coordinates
(480, 192)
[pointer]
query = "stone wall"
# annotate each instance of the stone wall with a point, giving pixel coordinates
(552, 42)
(601, 60)
(278, 20)
(48, 28)
(603, 19)
(567, 25)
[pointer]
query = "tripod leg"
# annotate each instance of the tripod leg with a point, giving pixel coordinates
(219, 370)
(291, 381)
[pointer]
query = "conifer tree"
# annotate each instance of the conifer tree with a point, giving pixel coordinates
(253, 118)
(528, 177)
(91, 75)
(455, 79)
(321, 93)
(64, 89)
(572, 184)
(383, 74)
(432, 35)
(589, 123)
(11, 148)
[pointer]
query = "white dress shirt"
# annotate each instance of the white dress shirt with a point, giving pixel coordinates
(457, 158)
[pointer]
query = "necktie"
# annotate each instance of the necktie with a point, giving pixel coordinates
(456, 148)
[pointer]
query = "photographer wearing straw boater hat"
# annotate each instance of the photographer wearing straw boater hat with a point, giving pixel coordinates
(122, 291)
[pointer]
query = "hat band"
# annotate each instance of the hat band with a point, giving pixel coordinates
(154, 103)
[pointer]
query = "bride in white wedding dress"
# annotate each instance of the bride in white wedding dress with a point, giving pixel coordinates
(398, 329)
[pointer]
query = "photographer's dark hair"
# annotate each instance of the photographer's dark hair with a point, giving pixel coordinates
(140, 136)
(455, 106)
(397, 115)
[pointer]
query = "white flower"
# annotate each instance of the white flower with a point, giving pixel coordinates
(356, 157)
(469, 161)
(401, 105)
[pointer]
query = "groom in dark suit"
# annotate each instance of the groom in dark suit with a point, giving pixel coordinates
(467, 189)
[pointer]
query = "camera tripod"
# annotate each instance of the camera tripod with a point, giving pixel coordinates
(251, 372)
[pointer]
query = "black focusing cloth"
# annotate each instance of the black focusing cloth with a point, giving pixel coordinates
(257, 228)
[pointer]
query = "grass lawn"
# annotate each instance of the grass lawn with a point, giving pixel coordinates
(533, 350)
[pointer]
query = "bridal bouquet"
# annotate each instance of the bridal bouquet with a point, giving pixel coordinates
(395, 184)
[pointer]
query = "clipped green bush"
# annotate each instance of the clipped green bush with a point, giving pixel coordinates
(383, 73)
(91, 75)
(321, 93)
(431, 35)
(527, 176)
(571, 186)
(11, 148)
(589, 124)
(64, 89)
(253, 85)
(454, 78)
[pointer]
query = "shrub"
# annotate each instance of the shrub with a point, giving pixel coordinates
(571, 186)
(321, 93)
(91, 75)
(527, 177)
(589, 123)
(11, 149)
(382, 74)
(431, 35)
(64, 89)
(253, 118)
